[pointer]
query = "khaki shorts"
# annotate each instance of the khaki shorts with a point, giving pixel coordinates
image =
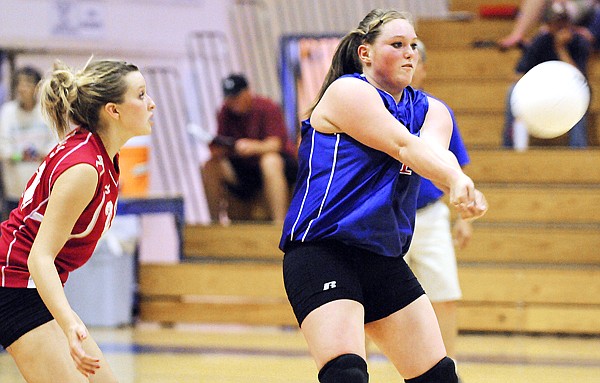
(431, 255)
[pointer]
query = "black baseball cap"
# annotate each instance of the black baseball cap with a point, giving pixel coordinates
(234, 84)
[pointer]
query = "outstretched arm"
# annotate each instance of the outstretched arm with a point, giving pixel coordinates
(354, 107)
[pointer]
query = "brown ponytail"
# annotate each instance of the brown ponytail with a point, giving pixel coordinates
(345, 59)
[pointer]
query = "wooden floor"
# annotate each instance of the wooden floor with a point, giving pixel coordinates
(217, 354)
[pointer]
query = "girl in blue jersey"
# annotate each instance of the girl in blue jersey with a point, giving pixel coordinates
(352, 214)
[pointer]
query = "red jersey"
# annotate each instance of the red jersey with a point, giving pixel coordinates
(20, 230)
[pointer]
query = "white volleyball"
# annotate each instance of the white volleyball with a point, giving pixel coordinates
(550, 98)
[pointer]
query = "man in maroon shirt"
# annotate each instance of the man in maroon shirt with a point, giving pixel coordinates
(251, 152)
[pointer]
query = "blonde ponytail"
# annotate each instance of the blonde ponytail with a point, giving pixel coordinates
(76, 98)
(57, 93)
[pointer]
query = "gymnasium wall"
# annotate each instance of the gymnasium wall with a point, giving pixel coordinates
(134, 28)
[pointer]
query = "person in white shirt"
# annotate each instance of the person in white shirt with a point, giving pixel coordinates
(24, 136)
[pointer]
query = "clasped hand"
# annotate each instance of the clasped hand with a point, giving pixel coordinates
(473, 207)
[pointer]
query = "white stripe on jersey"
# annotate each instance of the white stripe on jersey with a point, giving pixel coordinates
(312, 148)
(9, 251)
(335, 151)
(34, 215)
(116, 183)
(87, 139)
(93, 221)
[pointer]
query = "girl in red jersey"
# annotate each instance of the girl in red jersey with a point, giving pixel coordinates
(66, 207)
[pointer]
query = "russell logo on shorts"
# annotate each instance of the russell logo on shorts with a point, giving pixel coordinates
(329, 285)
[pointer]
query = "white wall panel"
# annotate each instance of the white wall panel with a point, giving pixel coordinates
(155, 28)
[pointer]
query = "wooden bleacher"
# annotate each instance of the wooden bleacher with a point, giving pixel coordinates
(475, 81)
(532, 265)
(215, 292)
(560, 166)
(534, 254)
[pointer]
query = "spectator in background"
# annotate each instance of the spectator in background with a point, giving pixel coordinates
(251, 152)
(24, 136)
(585, 14)
(558, 41)
(592, 28)
(431, 254)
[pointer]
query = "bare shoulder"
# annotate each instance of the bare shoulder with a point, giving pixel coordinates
(436, 106)
(80, 179)
(438, 123)
(346, 96)
(350, 88)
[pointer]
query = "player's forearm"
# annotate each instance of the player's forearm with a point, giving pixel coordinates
(430, 161)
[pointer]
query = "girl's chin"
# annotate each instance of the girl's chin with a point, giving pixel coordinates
(144, 131)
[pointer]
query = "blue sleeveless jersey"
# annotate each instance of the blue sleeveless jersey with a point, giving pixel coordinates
(353, 193)
(429, 193)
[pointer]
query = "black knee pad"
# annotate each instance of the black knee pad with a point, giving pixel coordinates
(443, 372)
(347, 368)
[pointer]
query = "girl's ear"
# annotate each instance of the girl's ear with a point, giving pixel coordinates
(112, 110)
(364, 54)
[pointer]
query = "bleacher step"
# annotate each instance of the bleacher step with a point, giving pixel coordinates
(542, 204)
(446, 34)
(535, 166)
(482, 96)
(496, 298)
(532, 245)
(470, 64)
(251, 241)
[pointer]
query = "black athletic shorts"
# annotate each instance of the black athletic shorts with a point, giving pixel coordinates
(21, 310)
(316, 273)
(249, 177)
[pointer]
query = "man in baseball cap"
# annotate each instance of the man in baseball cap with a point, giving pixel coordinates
(252, 152)
(234, 84)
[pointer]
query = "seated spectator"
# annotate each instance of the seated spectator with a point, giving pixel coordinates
(558, 41)
(24, 136)
(251, 152)
(591, 30)
(584, 14)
